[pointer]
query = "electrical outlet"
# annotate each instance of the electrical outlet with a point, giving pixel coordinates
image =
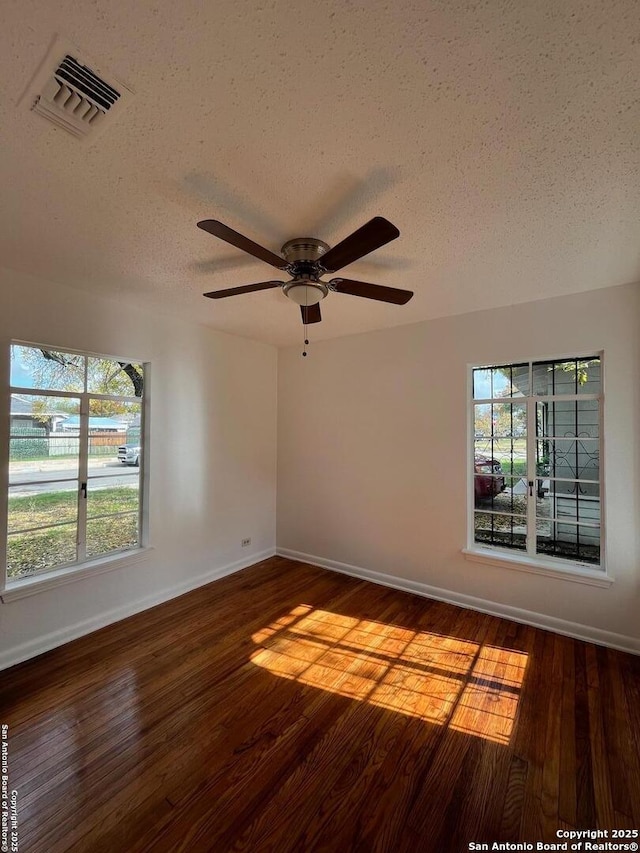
(246, 542)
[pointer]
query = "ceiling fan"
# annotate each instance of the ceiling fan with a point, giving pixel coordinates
(306, 259)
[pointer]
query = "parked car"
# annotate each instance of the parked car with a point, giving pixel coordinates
(129, 453)
(487, 486)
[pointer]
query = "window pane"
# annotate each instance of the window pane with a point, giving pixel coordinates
(114, 440)
(570, 418)
(482, 420)
(114, 533)
(500, 494)
(41, 505)
(573, 376)
(130, 448)
(509, 453)
(28, 553)
(112, 513)
(482, 383)
(569, 459)
(506, 531)
(510, 380)
(43, 442)
(501, 382)
(588, 418)
(500, 420)
(104, 497)
(509, 419)
(48, 369)
(520, 380)
(571, 541)
(117, 378)
(578, 502)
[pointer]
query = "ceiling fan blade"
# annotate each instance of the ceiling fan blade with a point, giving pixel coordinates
(374, 234)
(311, 313)
(246, 288)
(223, 232)
(371, 291)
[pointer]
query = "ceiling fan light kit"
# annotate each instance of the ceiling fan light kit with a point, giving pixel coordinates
(305, 293)
(306, 259)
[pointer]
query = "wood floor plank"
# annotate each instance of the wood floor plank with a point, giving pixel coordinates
(511, 823)
(623, 758)
(630, 677)
(550, 792)
(602, 782)
(567, 793)
(287, 708)
(535, 729)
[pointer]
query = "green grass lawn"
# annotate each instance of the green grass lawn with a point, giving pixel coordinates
(34, 551)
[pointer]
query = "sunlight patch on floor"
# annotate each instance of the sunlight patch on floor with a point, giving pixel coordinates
(471, 687)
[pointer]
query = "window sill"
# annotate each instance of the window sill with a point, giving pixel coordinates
(547, 568)
(42, 583)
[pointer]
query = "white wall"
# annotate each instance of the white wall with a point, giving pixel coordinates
(372, 438)
(212, 455)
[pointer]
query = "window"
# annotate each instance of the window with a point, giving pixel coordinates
(536, 475)
(75, 457)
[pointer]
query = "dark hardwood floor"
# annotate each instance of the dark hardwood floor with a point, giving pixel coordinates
(287, 708)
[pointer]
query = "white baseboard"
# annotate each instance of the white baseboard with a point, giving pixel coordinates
(528, 617)
(72, 632)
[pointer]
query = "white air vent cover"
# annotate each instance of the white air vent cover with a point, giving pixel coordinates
(73, 93)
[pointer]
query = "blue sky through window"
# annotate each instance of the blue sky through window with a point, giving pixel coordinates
(20, 375)
(482, 383)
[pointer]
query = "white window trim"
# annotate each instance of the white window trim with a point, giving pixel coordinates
(33, 584)
(12, 590)
(520, 560)
(561, 570)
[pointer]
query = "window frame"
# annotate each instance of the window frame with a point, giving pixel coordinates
(84, 566)
(528, 560)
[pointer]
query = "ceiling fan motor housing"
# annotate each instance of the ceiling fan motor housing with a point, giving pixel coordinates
(304, 249)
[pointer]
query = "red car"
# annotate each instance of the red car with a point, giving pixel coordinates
(487, 486)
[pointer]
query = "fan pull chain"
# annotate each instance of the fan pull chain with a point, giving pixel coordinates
(306, 340)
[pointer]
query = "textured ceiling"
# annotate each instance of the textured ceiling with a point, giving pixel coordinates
(500, 137)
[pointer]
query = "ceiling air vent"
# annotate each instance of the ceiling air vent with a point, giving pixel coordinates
(75, 98)
(71, 94)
